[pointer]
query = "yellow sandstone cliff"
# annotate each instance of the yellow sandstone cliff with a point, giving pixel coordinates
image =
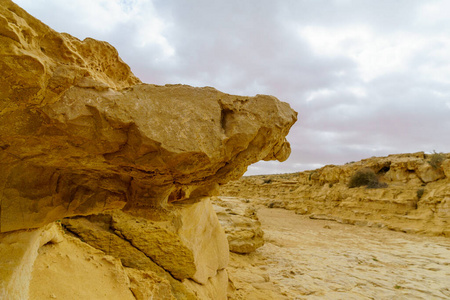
(106, 182)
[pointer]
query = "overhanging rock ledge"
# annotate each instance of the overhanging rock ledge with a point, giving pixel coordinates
(80, 134)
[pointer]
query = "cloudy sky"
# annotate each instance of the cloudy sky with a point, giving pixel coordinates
(367, 77)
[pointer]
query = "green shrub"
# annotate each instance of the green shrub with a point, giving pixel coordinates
(420, 193)
(365, 177)
(436, 159)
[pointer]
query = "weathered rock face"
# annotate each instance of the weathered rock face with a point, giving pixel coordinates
(39, 64)
(102, 151)
(79, 134)
(185, 246)
(18, 251)
(416, 198)
(240, 223)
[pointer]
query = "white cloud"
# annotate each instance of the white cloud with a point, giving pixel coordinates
(433, 12)
(358, 91)
(374, 54)
(321, 93)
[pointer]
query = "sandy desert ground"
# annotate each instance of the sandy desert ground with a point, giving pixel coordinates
(318, 259)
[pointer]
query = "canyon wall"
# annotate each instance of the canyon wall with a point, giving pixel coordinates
(412, 194)
(91, 155)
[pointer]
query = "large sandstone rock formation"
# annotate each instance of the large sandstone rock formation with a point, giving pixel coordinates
(416, 199)
(81, 135)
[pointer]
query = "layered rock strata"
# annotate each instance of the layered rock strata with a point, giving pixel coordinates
(416, 199)
(185, 246)
(80, 135)
(241, 224)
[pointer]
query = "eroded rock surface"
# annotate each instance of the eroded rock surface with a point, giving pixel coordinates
(185, 246)
(416, 199)
(18, 252)
(80, 135)
(241, 224)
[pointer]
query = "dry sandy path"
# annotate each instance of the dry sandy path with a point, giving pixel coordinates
(316, 259)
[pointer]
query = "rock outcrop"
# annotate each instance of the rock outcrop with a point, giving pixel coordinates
(80, 135)
(241, 224)
(18, 252)
(416, 199)
(185, 246)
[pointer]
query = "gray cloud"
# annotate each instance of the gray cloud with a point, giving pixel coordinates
(368, 78)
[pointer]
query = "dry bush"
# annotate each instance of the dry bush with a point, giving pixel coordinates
(436, 159)
(365, 177)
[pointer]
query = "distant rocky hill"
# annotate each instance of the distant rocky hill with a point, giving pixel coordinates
(411, 192)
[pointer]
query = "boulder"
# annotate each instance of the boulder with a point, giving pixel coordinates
(97, 231)
(241, 224)
(428, 174)
(187, 242)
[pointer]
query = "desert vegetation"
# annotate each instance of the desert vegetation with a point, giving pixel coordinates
(365, 177)
(436, 159)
